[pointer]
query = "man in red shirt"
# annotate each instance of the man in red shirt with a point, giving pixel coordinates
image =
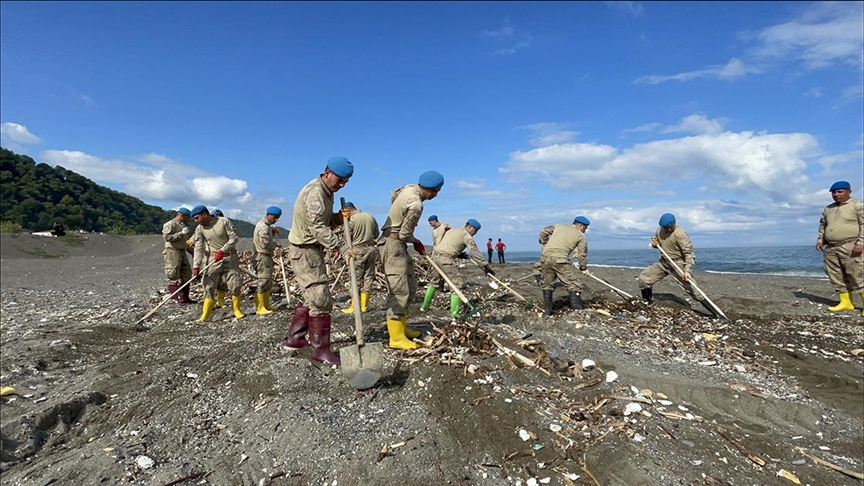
(500, 246)
(489, 249)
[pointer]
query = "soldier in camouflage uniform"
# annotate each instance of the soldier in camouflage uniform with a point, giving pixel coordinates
(559, 241)
(438, 229)
(311, 234)
(216, 241)
(265, 240)
(841, 241)
(364, 232)
(445, 255)
(405, 210)
(176, 232)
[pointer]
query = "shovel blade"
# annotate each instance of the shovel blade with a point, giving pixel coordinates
(362, 365)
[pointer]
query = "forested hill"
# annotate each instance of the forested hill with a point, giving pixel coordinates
(35, 195)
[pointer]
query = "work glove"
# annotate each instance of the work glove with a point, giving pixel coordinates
(419, 248)
(686, 277)
(185, 231)
(346, 214)
(189, 242)
(488, 270)
(195, 272)
(276, 231)
(655, 242)
(586, 272)
(218, 256)
(349, 255)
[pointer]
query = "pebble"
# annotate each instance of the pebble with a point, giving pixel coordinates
(611, 376)
(799, 462)
(588, 364)
(688, 443)
(144, 462)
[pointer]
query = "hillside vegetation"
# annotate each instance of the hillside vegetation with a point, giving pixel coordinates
(33, 196)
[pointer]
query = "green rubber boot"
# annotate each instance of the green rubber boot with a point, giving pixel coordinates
(427, 299)
(455, 303)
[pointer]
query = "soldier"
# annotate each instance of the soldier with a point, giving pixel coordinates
(265, 239)
(445, 256)
(312, 233)
(676, 243)
(218, 213)
(216, 241)
(438, 229)
(175, 232)
(364, 232)
(559, 241)
(841, 241)
(405, 210)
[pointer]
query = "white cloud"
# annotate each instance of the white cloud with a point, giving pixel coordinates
(508, 39)
(548, 133)
(15, 133)
(477, 188)
(697, 124)
(745, 161)
(824, 34)
(636, 9)
(856, 157)
(815, 92)
(155, 177)
(732, 70)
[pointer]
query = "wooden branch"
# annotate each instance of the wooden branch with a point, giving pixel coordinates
(835, 467)
(521, 358)
(756, 459)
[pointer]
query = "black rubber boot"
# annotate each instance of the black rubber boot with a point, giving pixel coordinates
(547, 302)
(646, 296)
(296, 338)
(319, 338)
(575, 300)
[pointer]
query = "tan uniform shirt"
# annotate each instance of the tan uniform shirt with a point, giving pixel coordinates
(364, 228)
(264, 238)
(438, 234)
(405, 211)
(455, 241)
(560, 240)
(842, 222)
(678, 246)
(219, 235)
(173, 236)
(313, 220)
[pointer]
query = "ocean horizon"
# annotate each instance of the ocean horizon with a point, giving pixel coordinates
(793, 261)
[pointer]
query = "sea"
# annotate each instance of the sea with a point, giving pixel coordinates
(797, 261)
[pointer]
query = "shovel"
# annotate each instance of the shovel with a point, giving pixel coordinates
(692, 283)
(361, 363)
(287, 300)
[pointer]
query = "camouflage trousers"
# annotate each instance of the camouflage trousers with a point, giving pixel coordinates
(310, 271)
(401, 280)
(845, 272)
(450, 266)
(657, 271)
(556, 268)
(224, 274)
(177, 267)
(264, 271)
(367, 257)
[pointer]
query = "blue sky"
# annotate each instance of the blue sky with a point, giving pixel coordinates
(736, 117)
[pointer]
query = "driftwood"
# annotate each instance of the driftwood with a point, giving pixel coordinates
(822, 462)
(521, 358)
(756, 459)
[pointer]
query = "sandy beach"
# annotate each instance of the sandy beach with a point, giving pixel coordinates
(747, 400)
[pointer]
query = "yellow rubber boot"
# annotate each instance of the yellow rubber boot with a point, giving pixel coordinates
(260, 308)
(364, 301)
(266, 299)
(396, 328)
(220, 299)
(235, 303)
(845, 303)
(349, 310)
(409, 333)
(207, 309)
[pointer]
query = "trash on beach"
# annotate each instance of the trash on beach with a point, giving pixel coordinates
(588, 364)
(788, 475)
(611, 376)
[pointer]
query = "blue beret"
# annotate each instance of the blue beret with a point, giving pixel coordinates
(199, 209)
(274, 210)
(434, 217)
(184, 212)
(474, 223)
(667, 220)
(840, 185)
(431, 180)
(350, 204)
(581, 219)
(341, 166)
(218, 212)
